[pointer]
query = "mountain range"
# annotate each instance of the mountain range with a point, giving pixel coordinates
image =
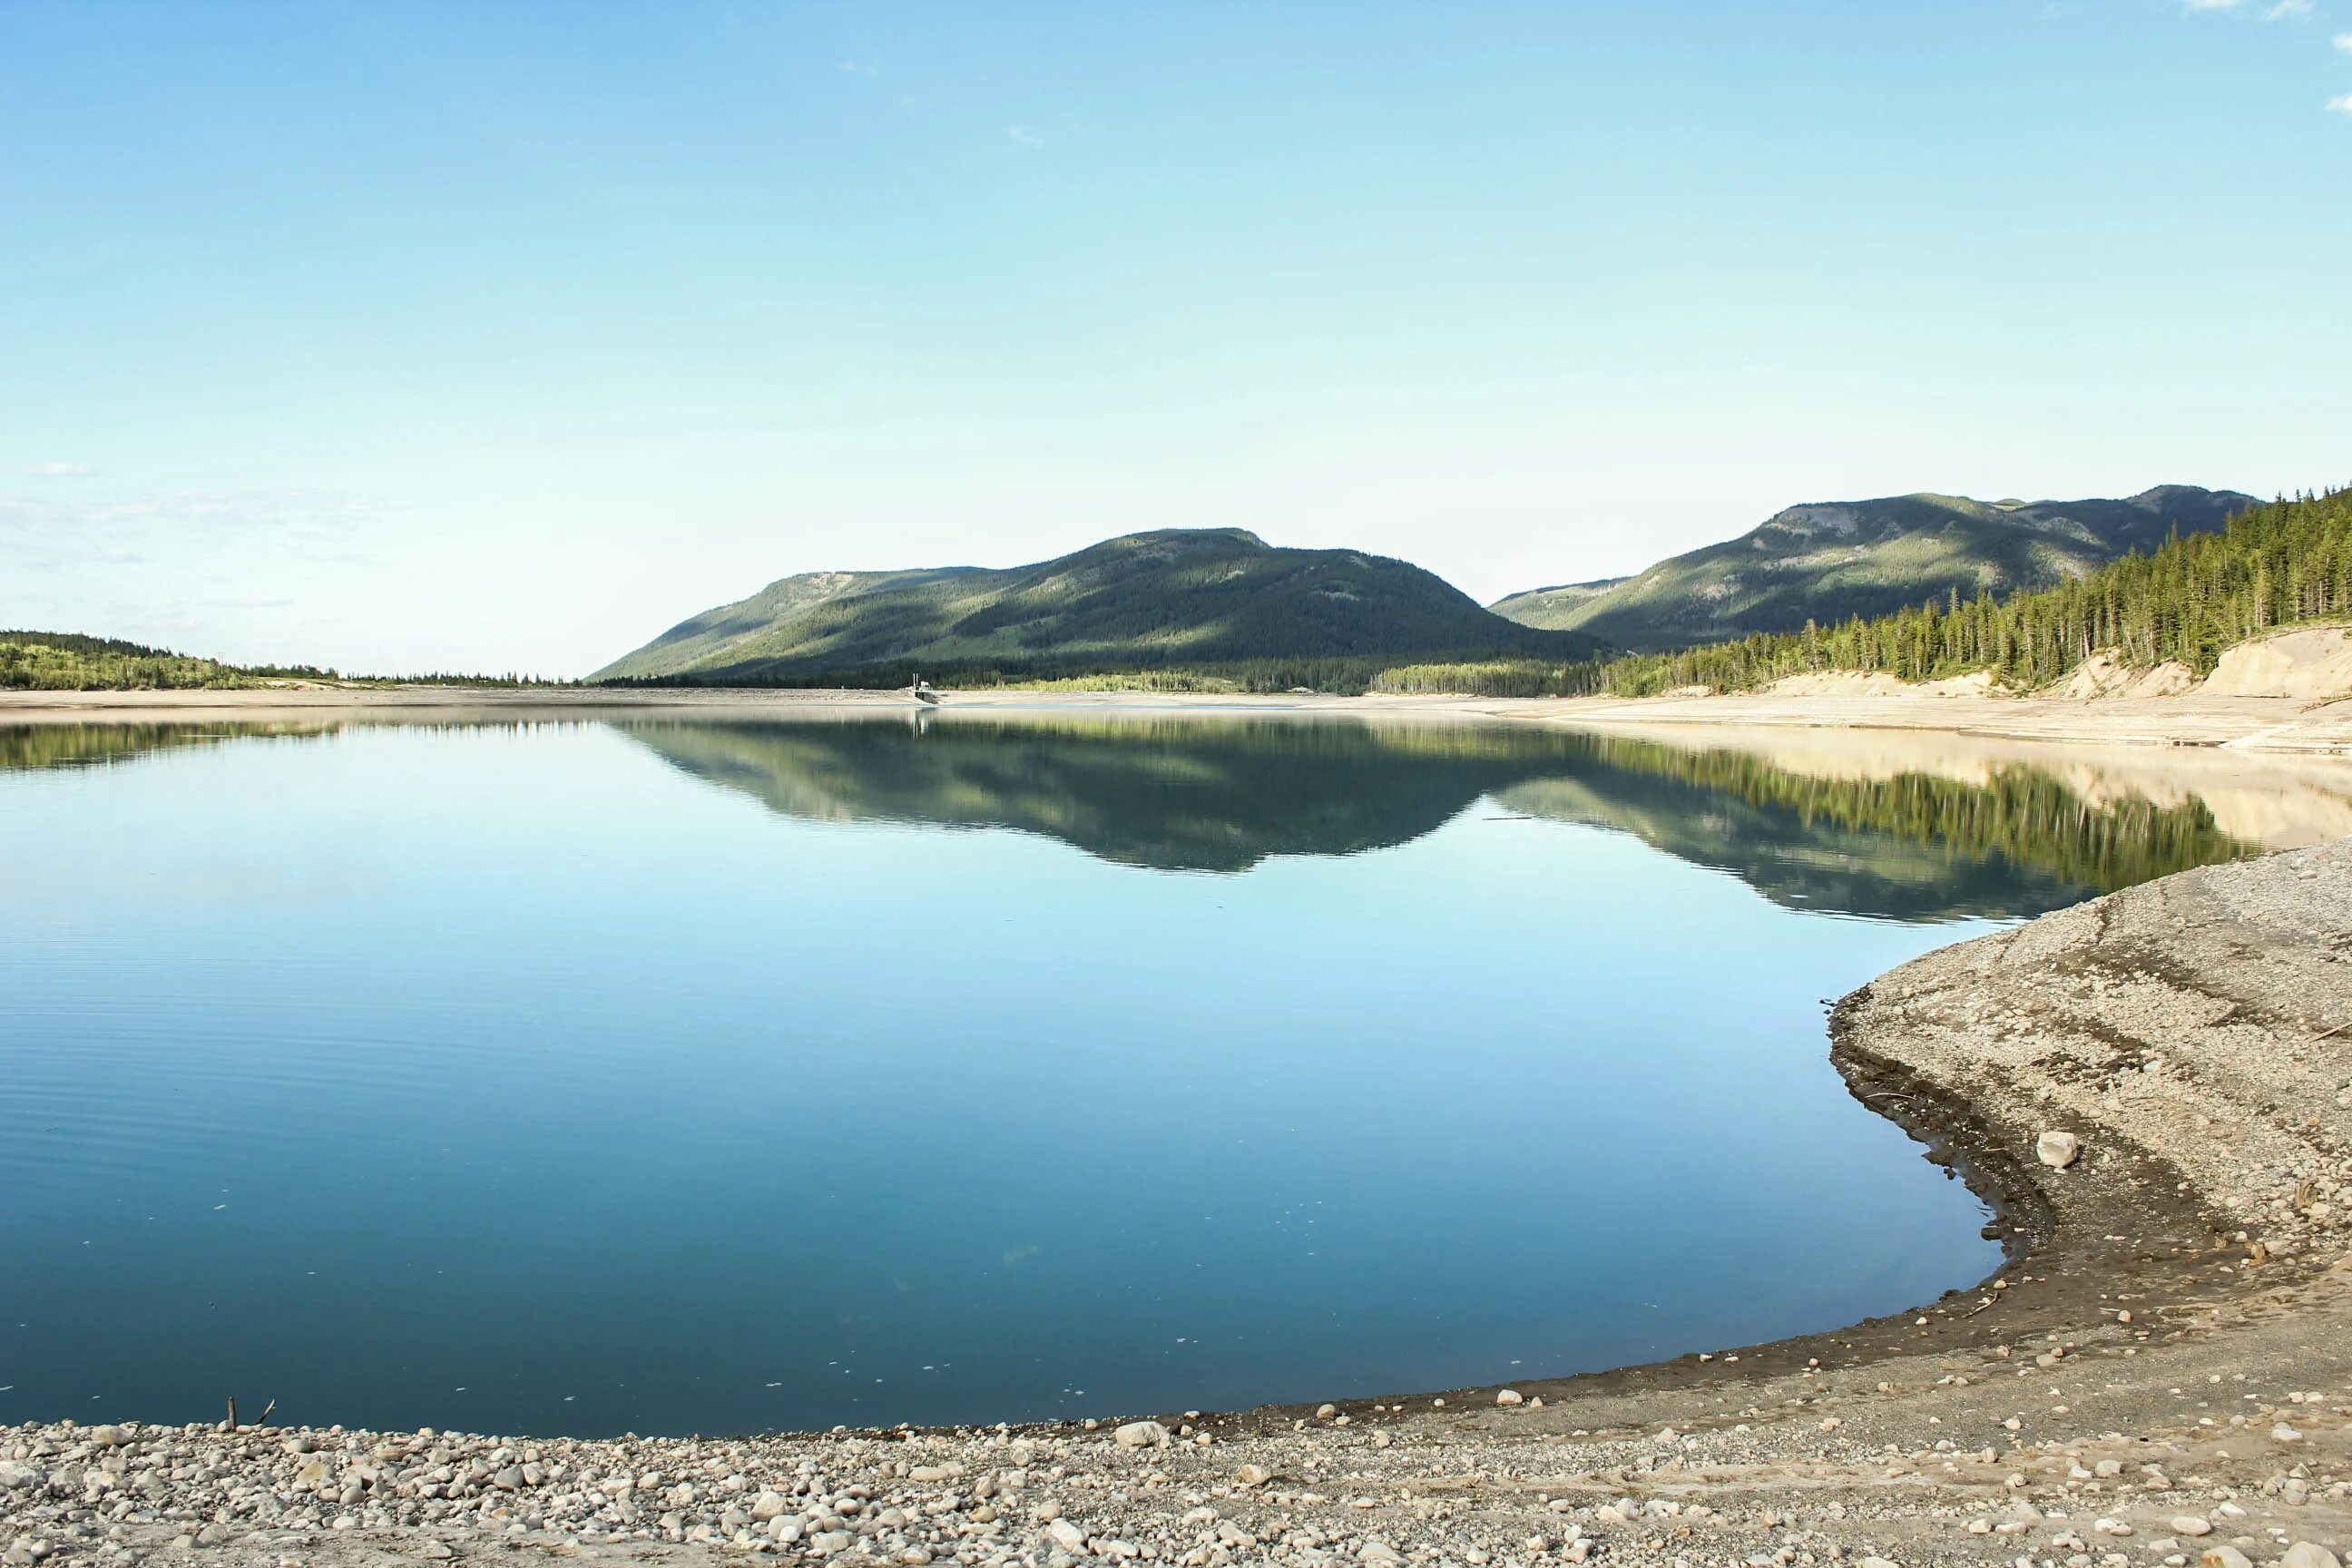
(1179, 596)
(1195, 598)
(1830, 560)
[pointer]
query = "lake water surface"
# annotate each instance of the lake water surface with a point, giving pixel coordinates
(716, 1077)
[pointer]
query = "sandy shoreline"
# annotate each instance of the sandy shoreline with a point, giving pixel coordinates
(2263, 724)
(2162, 1369)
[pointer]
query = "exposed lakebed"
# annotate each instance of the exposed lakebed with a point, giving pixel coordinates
(716, 1075)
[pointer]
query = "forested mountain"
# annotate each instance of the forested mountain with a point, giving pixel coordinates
(1831, 562)
(1189, 597)
(2190, 601)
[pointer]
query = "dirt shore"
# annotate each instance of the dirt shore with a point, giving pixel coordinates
(2159, 1375)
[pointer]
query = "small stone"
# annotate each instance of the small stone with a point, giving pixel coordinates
(1325, 1412)
(18, 1475)
(1068, 1536)
(2058, 1150)
(1140, 1435)
(2225, 1556)
(1253, 1475)
(2189, 1524)
(438, 1551)
(1509, 1396)
(2309, 1554)
(2286, 1434)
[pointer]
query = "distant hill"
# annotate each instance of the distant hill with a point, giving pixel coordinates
(2187, 603)
(71, 661)
(1176, 598)
(1831, 561)
(1550, 608)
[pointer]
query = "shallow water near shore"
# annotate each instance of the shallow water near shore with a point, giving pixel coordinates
(710, 1075)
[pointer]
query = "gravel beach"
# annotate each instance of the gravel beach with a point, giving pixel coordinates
(2153, 1088)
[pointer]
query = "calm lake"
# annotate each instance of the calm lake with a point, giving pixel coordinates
(671, 1076)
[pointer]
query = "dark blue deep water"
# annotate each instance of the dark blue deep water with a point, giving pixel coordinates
(719, 1077)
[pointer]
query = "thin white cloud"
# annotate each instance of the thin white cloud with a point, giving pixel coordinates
(2214, 4)
(2344, 42)
(59, 471)
(49, 524)
(2341, 105)
(2286, 8)
(860, 68)
(1021, 138)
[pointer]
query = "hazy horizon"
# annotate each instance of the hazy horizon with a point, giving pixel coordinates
(398, 336)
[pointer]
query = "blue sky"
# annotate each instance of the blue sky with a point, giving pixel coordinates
(404, 336)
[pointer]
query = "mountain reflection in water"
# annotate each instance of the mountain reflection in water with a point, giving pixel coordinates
(1221, 792)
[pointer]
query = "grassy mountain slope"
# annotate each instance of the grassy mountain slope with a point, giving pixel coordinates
(1179, 596)
(1830, 561)
(1555, 607)
(713, 637)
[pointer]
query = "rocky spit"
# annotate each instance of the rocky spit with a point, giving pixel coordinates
(2155, 1088)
